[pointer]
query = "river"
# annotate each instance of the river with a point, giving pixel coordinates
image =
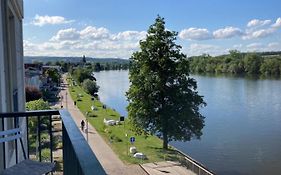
(242, 135)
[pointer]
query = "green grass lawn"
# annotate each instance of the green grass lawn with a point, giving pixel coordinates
(115, 136)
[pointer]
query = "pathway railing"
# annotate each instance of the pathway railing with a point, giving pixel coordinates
(193, 165)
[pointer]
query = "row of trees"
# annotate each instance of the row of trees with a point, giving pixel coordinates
(94, 66)
(81, 74)
(85, 77)
(237, 63)
(110, 66)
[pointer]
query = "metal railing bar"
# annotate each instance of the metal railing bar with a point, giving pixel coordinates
(79, 147)
(51, 137)
(39, 136)
(29, 113)
(4, 150)
(27, 136)
(78, 157)
(16, 140)
(195, 163)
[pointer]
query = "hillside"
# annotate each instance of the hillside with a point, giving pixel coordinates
(45, 59)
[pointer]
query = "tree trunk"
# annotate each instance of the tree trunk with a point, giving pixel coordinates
(164, 118)
(165, 139)
(165, 130)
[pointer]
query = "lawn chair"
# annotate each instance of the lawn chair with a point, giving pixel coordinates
(27, 166)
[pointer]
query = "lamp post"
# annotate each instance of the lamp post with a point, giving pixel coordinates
(122, 118)
(66, 100)
(87, 127)
(61, 105)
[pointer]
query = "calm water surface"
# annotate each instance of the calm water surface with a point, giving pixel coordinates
(242, 135)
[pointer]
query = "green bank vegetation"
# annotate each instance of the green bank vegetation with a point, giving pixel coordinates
(115, 136)
(262, 64)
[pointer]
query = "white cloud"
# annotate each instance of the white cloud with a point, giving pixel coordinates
(237, 46)
(258, 33)
(258, 23)
(90, 41)
(277, 23)
(260, 30)
(195, 34)
(129, 35)
(101, 42)
(274, 46)
(52, 20)
(259, 47)
(227, 32)
(29, 47)
(66, 34)
(199, 49)
(254, 45)
(91, 32)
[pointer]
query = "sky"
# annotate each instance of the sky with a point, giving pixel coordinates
(113, 29)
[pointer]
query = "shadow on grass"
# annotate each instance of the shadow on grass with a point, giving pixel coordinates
(166, 154)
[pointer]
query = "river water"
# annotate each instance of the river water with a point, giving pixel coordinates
(242, 135)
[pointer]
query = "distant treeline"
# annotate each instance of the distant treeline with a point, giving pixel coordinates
(53, 59)
(266, 63)
(93, 66)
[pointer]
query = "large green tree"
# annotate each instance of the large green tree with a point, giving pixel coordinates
(163, 99)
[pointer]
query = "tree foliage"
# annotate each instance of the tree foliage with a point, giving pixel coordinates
(33, 121)
(238, 63)
(82, 74)
(37, 105)
(53, 74)
(90, 86)
(163, 99)
(32, 93)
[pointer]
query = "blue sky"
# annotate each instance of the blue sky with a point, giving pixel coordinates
(111, 28)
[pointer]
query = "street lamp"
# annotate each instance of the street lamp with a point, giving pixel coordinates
(61, 105)
(87, 127)
(66, 100)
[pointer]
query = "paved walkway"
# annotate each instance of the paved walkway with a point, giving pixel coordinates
(164, 168)
(108, 159)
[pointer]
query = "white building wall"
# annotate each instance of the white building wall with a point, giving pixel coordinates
(20, 77)
(2, 70)
(2, 82)
(19, 64)
(12, 92)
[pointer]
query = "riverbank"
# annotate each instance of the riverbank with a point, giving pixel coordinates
(115, 135)
(105, 155)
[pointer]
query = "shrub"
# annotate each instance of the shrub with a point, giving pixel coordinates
(91, 114)
(45, 153)
(90, 86)
(37, 105)
(32, 93)
(115, 138)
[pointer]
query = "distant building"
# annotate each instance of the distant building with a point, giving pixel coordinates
(12, 95)
(44, 68)
(32, 75)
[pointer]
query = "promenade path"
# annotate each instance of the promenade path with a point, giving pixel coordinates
(108, 159)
